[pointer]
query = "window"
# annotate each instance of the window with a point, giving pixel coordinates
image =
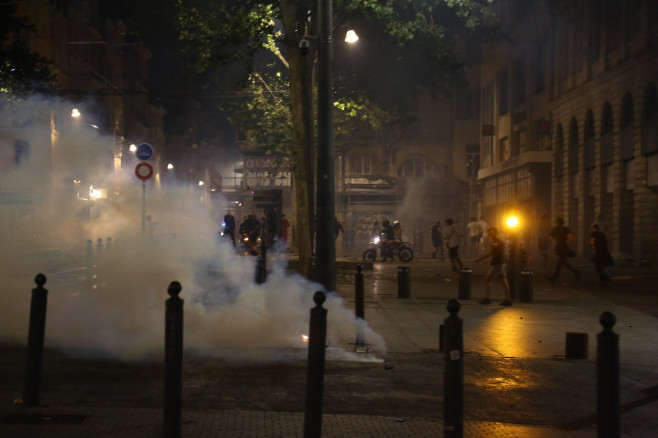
(418, 168)
(519, 82)
(472, 160)
(504, 151)
(503, 92)
(540, 67)
(573, 146)
(559, 153)
(360, 165)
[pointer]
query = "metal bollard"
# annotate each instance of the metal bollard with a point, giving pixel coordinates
(404, 282)
(173, 389)
(317, 338)
(607, 379)
(35, 337)
(89, 260)
(453, 377)
(465, 283)
(98, 264)
(359, 307)
(261, 265)
(525, 291)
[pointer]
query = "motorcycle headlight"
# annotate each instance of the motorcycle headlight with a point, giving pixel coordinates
(376, 240)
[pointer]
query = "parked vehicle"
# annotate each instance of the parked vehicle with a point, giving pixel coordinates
(403, 250)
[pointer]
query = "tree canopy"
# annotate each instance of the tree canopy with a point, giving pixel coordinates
(21, 72)
(410, 47)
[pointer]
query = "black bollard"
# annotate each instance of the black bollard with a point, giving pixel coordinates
(359, 308)
(173, 362)
(89, 259)
(261, 265)
(404, 282)
(315, 373)
(98, 264)
(453, 377)
(35, 337)
(465, 283)
(607, 379)
(525, 291)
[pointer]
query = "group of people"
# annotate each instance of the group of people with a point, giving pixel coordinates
(560, 234)
(449, 235)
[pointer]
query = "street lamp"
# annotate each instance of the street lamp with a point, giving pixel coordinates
(513, 266)
(326, 211)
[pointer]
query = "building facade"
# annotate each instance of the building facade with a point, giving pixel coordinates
(78, 141)
(569, 120)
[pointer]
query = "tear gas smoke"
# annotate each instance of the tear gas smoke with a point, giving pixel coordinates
(47, 218)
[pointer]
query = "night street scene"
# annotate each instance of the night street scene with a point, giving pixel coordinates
(341, 218)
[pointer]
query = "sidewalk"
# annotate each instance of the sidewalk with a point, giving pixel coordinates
(530, 334)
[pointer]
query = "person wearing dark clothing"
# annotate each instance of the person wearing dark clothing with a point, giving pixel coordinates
(339, 227)
(543, 232)
(229, 226)
(251, 226)
(602, 257)
(437, 241)
(497, 269)
(561, 235)
(270, 220)
(388, 237)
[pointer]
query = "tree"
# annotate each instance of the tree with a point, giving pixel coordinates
(21, 72)
(224, 32)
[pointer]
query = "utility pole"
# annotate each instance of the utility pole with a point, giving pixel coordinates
(326, 211)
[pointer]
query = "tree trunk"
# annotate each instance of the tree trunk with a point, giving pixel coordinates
(293, 14)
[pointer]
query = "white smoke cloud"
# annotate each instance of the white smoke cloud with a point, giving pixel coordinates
(45, 228)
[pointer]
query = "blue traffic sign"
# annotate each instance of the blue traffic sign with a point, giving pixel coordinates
(144, 151)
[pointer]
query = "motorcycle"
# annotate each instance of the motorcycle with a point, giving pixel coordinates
(402, 250)
(248, 246)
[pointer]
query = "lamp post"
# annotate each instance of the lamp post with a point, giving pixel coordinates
(513, 262)
(326, 213)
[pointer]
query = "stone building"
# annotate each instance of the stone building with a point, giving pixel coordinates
(569, 120)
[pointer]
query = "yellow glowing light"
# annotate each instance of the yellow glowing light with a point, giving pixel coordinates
(75, 113)
(512, 221)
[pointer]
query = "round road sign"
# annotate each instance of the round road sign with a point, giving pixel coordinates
(144, 151)
(143, 171)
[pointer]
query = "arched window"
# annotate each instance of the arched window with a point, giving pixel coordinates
(573, 146)
(559, 153)
(588, 141)
(606, 135)
(626, 146)
(650, 122)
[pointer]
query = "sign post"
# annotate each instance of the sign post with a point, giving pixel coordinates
(144, 171)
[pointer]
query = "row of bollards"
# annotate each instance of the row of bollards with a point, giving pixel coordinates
(173, 358)
(451, 345)
(607, 375)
